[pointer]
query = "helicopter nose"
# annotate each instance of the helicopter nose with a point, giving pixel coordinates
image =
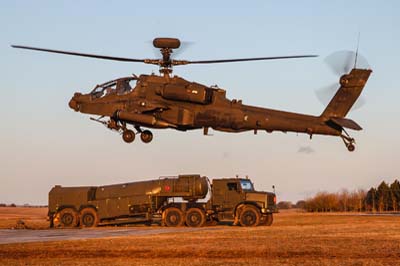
(73, 103)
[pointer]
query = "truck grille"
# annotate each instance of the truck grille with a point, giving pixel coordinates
(270, 199)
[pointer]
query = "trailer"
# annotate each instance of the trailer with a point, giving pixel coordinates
(184, 200)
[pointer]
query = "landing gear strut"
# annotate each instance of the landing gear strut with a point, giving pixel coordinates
(348, 141)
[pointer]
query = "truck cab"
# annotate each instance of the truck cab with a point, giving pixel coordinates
(236, 199)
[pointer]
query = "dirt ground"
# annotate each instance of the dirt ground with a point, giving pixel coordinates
(295, 238)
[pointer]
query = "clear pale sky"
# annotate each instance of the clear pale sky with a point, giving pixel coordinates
(44, 143)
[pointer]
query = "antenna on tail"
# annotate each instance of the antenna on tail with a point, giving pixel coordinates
(358, 44)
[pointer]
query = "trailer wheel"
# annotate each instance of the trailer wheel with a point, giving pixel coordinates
(267, 220)
(250, 216)
(173, 217)
(88, 217)
(195, 217)
(67, 218)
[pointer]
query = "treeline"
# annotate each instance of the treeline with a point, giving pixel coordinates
(385, 197)
(342, 201)
(25, 205)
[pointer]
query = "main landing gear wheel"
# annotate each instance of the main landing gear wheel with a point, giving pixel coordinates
(146, 136)
(128, 136)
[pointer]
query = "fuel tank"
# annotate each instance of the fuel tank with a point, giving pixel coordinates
(189, 187)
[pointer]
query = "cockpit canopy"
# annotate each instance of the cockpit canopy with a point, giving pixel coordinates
(119, 86)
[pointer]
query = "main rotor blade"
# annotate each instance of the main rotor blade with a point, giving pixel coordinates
(124, 59)
(248, 59)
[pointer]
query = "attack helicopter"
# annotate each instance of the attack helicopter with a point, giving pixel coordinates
(167, 101)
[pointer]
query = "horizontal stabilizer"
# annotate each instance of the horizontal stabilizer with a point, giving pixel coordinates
(347, 123)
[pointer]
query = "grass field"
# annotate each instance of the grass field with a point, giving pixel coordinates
(34, 218)
(294, 239)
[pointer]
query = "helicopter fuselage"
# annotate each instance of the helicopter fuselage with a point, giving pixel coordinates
(173, 102)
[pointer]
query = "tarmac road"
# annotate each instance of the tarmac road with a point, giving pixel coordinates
(9, 236)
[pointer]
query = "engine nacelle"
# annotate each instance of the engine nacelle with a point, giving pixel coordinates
(194, 93)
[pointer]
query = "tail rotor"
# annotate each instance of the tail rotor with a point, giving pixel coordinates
(341, 63)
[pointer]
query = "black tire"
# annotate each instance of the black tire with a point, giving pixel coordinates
(267, 220)
(173, 217)
(195, 217)
(128, 136)
(351, 147)
(67, 218)
(146, 136)
(88, 217)
(250, 216)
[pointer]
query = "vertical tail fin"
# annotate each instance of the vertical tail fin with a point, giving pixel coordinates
(351, 86)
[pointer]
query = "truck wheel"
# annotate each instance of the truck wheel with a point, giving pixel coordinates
(68, 218)
(173, 217)
(250, 216)
(195, 217)
(267, 220)
(88, 217)
(270, 219)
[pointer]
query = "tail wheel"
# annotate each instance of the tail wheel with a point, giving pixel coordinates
(173, 217)
(128, 136)
(88, 217)
(67, 218)
(146, 136)
(250, 216)
(351, 147)
(267, 220)
(195, 217)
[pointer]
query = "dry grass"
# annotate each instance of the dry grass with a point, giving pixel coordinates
(34, 218)
(294, 239)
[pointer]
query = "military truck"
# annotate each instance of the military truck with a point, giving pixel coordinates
(170, 201)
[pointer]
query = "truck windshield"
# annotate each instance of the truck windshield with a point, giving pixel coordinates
(246, 185)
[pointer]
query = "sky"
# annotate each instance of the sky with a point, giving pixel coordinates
(44, 143)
